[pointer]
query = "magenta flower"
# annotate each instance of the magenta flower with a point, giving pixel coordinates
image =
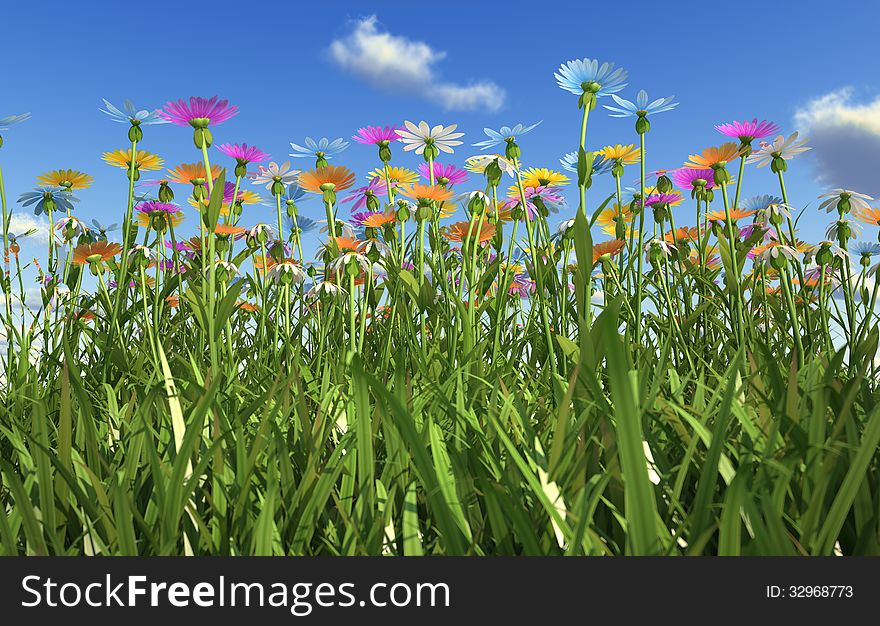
(662, 198)
(156, 207)
(362, 195)
(685, 177)
(747, 131)
(447, 175)
(243, 153)
(361, 218)
(199, 112)
(376, 134)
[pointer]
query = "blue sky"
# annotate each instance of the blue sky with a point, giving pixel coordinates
(449, 63)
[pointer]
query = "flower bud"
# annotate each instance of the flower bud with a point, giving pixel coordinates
(241, 168)
(778, 164)
(493, 173)
(512, 151)
(135, 133)
(664, 185)
(166, 194)
(642, 124)
(372, 201)
(385, 151)
(321, 160)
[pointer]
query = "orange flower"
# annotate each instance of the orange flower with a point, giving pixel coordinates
(347, 244)
(172, 301)
(71, 179)
(94, 252)
(247, 306)
(459, 231)
(225, 230)
(684, 233)
(337, 175)
(426, 192)
(262, 265)
(735, 214)
(189, 172)
(611, 248)
(869, 216)
(84, 315)
(377, 220)
(713, 156)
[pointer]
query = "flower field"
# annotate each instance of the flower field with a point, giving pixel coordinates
(479, 357)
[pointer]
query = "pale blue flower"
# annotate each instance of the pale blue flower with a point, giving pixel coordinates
(306, 224)
(571, 76)
(503, 134)
(760, 202)
(131, 114)
(866, 248)
(326, 147)
(12, 120)
(570, 162)
(39, 198)
(641, 106)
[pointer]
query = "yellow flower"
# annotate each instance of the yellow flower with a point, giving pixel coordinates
(249, 197)
(144, 219)
(144, 161)
(626, 155)
(68, 179)
(543, 177)
(395, 174)
(607, 218)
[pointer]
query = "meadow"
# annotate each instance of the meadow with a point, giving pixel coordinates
(460, 368)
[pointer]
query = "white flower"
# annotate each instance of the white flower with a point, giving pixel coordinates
(338, 265)
(287, 271)
(275, 173)
(781, 147)
(144, 253)
(75, 226)
(418, 137)
(227, 268)
(858, 201)
(260, 233)
(855, 228)
(775, 251)
(343, 228)
(478, 164)
(325, 288)
(564, 226)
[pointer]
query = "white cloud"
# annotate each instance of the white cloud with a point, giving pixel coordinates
(845, 136)
(20, 223)
(398, 64)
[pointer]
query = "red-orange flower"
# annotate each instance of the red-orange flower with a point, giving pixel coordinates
(611, 248)
(869, 216)
(464, 230)
(94, 252)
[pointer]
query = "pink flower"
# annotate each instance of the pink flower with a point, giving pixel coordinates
(747, 131)
(243, 153)
(685, 177)
(376, 134)
(199, 112)
(453, 175)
